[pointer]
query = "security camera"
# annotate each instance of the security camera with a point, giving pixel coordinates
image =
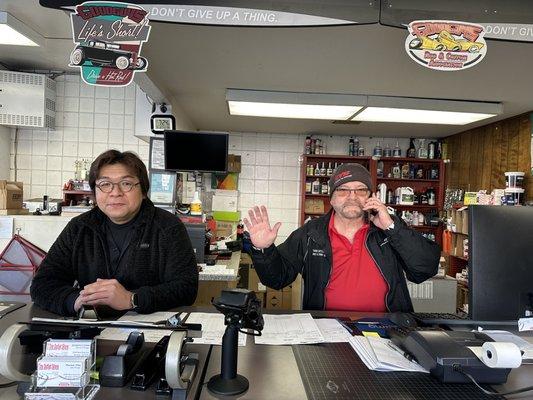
(163, 108)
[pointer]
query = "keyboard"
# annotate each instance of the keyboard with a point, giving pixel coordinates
(455, 319)
(435, 315)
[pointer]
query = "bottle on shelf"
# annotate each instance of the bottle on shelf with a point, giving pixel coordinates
(387, 151)
(378, 150)
(310, 169)
(351, 151)
(396, 171)
(438, 149)
(380, 168)
(431, 150)
(196, 204)
(356, 146)
(430, 193)
(422, 149)
(308, 145)
(313, 146)
(397, 151)
(411, 151)
(329, 171)
(323, 169)
(405, 170)
(390, 197)
(240, 230)
(315, 187)
(325, 187)
(361, 151)
(308, 186)
(317, 169)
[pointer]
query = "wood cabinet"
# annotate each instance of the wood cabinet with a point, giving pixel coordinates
(422, 175)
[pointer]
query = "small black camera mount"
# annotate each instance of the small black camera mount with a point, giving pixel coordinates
(242, 310)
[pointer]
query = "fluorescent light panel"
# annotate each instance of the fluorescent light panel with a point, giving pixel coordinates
(13, 32)
(330, 106)
(386, 114)
(286, 110)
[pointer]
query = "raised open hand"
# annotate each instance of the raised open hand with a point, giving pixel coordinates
(261, 234)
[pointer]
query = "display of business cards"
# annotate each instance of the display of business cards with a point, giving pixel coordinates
(62, 371)
(70, 348)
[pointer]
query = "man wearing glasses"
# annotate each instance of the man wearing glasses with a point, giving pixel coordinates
(124, 254)
(355, 257)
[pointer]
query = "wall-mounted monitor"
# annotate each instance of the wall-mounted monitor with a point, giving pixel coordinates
(196, 151)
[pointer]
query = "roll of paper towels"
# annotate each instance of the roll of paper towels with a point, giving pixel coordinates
(501, 355)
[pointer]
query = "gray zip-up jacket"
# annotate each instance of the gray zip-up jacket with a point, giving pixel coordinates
(398, 253)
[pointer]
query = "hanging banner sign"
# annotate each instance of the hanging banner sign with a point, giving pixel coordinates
(256, 13)
(446, 45)
(108, 37)
(514, 32)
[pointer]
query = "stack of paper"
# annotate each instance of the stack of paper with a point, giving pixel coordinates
(150, 335)
(213, 328)
(289, 329)
(332, 330)
(380, 354)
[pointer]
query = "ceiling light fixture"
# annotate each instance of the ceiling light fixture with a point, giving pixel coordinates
(349, 107)
(261, 103)
(426, 111)
(14, 32)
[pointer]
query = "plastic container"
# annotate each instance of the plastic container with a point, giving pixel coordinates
(196, 204)
(514, 179)
(514, 196)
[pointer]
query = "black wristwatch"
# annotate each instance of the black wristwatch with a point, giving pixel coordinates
(133, 301)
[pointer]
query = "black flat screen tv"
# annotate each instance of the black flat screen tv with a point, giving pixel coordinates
(196, 151)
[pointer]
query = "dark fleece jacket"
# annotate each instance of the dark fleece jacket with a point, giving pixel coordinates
(160, 264)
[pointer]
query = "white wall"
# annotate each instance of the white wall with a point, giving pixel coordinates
(89, 120)
(5, 142)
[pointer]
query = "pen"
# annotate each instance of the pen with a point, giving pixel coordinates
(403, 353)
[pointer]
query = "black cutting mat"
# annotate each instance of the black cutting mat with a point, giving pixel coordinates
(334, 371)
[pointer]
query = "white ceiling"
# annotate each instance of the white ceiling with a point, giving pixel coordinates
(195, 64)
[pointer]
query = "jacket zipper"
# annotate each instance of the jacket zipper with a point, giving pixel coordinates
(381, 272)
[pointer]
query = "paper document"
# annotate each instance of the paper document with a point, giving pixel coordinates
(150, 335)
(381, 354)
(332, 330)
(289, 329)
(213, 328)
(525, 324)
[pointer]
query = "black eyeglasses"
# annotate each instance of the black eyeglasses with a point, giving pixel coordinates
(345, 192)
(124, 186)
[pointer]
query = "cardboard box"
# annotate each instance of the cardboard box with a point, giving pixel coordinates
(11, 194)
(274, 299)
(224, 228)
(227, 216)
(286, 299)
(224, 203)
(254, 283)
(234, 163)
(314, 206)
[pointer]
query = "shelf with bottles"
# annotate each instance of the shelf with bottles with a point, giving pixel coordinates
(315, 188)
